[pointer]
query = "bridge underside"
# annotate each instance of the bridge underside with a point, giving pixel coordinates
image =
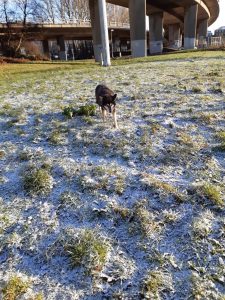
(181, 21)
(174, 9)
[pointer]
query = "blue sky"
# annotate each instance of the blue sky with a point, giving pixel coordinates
(221, 19)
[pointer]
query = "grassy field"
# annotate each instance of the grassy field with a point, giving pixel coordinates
(92, 212)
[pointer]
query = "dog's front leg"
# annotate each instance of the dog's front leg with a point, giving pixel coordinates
(103, 114)
(114, 118)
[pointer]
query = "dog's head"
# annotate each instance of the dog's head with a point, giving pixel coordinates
(107, 100)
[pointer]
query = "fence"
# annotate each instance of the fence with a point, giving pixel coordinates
(211, 42)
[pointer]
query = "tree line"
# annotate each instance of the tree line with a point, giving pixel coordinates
(54, 11)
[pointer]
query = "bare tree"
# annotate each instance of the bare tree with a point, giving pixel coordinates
(24, 10)
(73, 10)
(46, 11)
(7, 17)
(20, 11)
(117, 14)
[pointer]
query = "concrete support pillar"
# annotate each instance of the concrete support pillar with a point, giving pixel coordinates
(46, 48)
(190, 24)
(174, 36)
(156, 33)
(96, 32)
(100, 31)
(104, 33)
(62, 47)
(117, 45)
(137, 13)
(203, 28)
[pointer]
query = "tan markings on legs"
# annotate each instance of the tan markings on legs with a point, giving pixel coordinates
(114, 118)
(104, 115)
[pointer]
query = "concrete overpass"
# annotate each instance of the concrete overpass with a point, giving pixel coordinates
(62, 33)
(187, 17)
(184, 21)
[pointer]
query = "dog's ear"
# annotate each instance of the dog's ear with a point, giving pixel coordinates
(114, 97)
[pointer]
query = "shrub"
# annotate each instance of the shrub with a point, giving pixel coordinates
(68, 112)
(86, 110)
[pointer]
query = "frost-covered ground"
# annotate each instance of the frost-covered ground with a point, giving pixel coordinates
(129, 213)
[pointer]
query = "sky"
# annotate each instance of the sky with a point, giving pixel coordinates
(221, 19)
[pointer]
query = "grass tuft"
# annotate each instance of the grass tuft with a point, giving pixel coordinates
(88, 250)
(213, 193)
(157, 282)
(68, 112)
(37, 181)
(14, 288)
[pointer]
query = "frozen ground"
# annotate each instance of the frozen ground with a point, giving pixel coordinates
(142, 207)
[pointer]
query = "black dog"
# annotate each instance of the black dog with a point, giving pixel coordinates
(106, 99)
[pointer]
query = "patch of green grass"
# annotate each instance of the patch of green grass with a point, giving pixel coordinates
(37, 181)
(68, 112)
(163, 188)
(200, 286)
(170, 216)
(109, 178)
(143, 221)
(39, 296)
(123, 212)
(16, 113)
(220, 135)
(14, 288)
(86, 110)
(213, 193)
(178, 55)
(213, 73)
(88, 120)
(55, 138)
(185, 139)
(88, 250)
(155, 283)
(69, 199)
(196, 90)
(206, 118)
(202, 225)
